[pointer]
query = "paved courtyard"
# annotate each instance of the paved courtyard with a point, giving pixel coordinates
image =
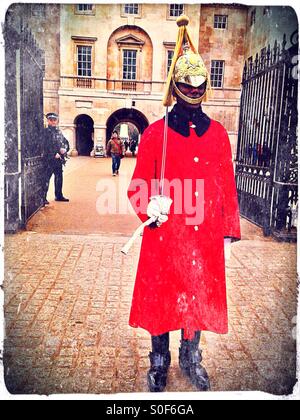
(67, 299)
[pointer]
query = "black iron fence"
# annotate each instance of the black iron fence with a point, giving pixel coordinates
(24, 71)
(266, 168)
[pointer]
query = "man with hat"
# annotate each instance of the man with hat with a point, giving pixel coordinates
(180, 280)
(56, 147)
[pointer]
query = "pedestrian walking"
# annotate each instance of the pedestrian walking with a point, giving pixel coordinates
(126, 145)
(56, 147)
(180, 280)
(132, 147)
(115, 149)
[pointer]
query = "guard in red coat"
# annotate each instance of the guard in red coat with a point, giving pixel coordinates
(180, 281)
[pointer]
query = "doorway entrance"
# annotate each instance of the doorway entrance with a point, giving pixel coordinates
(84, 134)
(131, 119)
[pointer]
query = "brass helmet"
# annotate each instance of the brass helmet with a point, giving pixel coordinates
(187, 66)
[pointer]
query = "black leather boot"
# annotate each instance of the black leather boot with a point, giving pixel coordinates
(190, 358)
(157, 374)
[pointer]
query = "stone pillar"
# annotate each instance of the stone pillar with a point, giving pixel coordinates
(100, 140)
(73, 151)
(69, 131)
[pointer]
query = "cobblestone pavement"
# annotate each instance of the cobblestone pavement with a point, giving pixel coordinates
(67, 332)
(68, 295)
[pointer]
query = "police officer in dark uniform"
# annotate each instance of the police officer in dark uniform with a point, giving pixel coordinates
(56, 147)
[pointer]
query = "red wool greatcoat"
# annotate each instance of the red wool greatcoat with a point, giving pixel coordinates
(180, 280)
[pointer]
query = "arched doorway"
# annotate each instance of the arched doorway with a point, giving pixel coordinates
(130, 135)
(84, 134)
(135, 120)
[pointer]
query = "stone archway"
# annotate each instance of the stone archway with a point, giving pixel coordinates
(125, 115)
(134, 38)
(84, 126)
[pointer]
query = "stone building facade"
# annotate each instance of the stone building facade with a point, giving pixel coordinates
(224, 43)
(267, 24)
(44, 22)
(111, 96)
(106, 64)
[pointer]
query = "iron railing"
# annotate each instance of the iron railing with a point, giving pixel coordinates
(266, 163)
(24, 168)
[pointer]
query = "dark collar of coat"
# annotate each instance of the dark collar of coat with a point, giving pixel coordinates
(179, 118)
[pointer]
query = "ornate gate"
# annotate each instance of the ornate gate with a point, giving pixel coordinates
(24, 71)
(266, 167)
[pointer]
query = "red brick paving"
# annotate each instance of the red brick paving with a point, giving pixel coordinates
(67, 299)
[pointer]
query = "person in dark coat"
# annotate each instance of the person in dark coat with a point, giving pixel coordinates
(56, 147)
(132, 147)
(180, 282)
(126, 145)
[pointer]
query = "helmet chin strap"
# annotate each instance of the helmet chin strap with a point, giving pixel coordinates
(192, 101)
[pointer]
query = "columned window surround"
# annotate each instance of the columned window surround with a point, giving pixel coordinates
(130, 58)
(130, 43)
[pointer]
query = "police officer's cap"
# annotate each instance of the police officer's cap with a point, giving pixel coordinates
(52, 115)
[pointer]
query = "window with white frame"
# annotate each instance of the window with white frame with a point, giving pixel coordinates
(85, 9)
(217, 73)
(84, 60)
(176, 10)
(129, 64)
(170, 54)
(131, 9)
(220, 21)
